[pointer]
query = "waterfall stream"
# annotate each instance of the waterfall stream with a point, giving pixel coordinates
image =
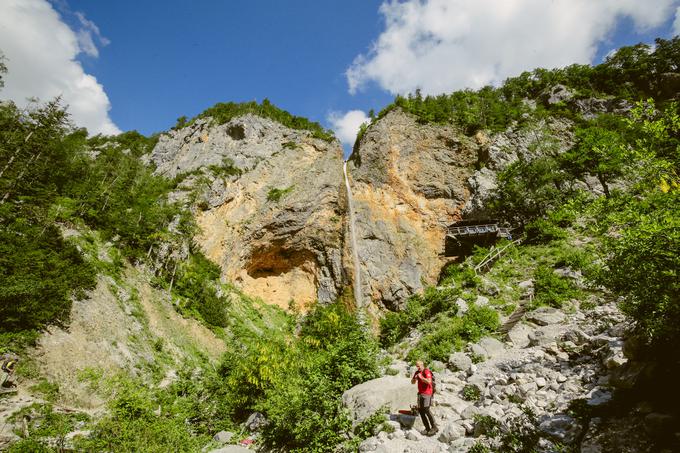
(353, 242)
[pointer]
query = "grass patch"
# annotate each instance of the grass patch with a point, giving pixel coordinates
(275, 194)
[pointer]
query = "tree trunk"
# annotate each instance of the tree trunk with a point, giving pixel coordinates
(603, 181)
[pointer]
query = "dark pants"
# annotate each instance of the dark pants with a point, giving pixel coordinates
(424, 402)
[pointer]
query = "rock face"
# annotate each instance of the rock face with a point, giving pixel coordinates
(409, 184)
(411, 181)
(271, 205)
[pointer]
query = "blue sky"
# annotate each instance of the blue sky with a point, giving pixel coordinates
(182, 57)
(127, 65)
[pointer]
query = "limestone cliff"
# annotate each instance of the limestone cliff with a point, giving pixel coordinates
(412, 180)
(409, 183)
(269, 205)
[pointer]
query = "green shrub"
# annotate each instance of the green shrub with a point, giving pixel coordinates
(541, 231)
(44, 422)
(642, 263)
(298, 382)
(395, 325)
(226, 169)
(141, 419)
(471, 393)
(275, 194)
(460, 276)
(452, 333)
(196, 282)
(551, 289)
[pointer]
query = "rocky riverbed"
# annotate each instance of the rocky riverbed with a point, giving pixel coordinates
(559, 365)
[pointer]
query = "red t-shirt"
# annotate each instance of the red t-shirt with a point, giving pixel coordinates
(423, 387)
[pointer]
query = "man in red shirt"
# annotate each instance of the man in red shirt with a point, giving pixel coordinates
(423, 377)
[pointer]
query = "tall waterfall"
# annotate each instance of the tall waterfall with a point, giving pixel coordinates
(353, 242)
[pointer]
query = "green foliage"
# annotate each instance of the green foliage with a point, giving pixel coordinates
(543, 231)
(39, 274)
(49, 390)
(298, 382)
(486, 108)
(196, 284)
(226, 169)
(519, 434)
(551, 289)
(45, 422)
(373, 424)
(642, 263)
(141, 419)
(528, 190)
(471, 393)
(124, 200)
(275, 194)
(632, 72)
(598, 152)
(450, 333)
(395, 325)
(39, 270)
(461, 275)
(224, 112)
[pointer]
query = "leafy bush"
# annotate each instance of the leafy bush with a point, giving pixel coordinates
(517, 435)
(39, 271)
(226, 169)
(471, 110)
(460, 275)
(196, 283)
(448, 334)
(395, 325)
(551, 289)
(44, 422)
(642, 262)
(543, 231)
(529, 190)
(123, 199)
(471, 393)
(298, 382)
(141, 419)
(275, 194)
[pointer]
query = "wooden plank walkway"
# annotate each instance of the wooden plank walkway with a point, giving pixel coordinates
(475, 230)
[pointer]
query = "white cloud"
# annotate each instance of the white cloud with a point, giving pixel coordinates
(87, 34)
(444, 45)
(676, 22)
(41, 50)
(346, 126)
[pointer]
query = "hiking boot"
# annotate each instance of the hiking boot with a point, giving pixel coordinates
(432, 431)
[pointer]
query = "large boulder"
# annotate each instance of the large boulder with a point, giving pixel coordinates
(459, 361)
(556, 94)
(544, 316)
(519, 335)
(365, 399)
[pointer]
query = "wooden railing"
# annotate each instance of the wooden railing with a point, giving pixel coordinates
(471, 230)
